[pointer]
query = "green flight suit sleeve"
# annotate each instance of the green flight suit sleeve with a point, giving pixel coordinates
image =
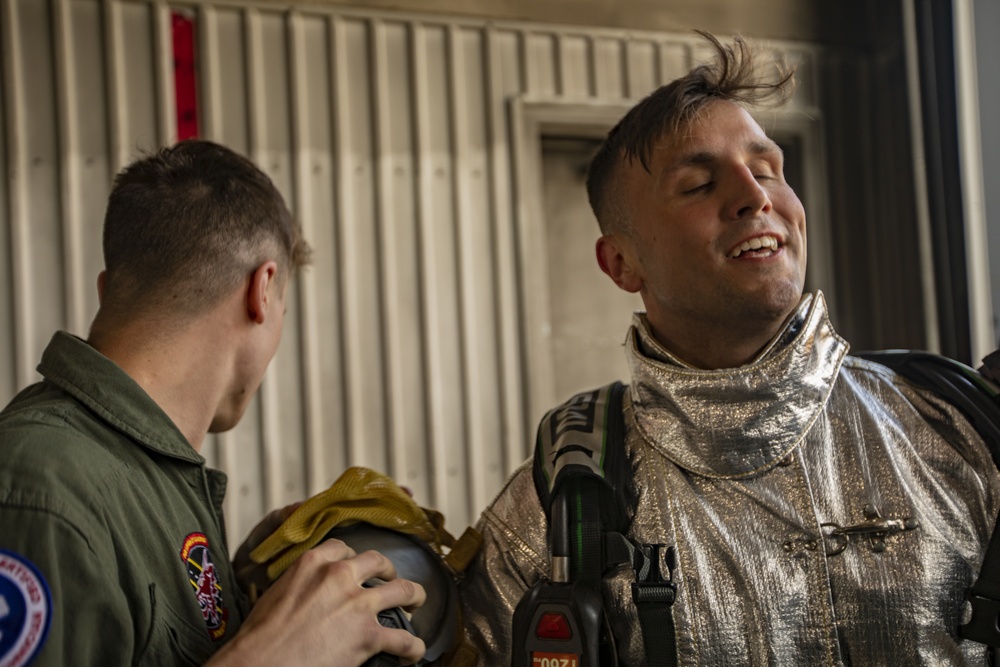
(90, 623)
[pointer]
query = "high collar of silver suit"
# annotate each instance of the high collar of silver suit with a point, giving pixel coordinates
(770, 403)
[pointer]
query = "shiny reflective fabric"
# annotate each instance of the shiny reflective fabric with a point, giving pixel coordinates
(824, 511)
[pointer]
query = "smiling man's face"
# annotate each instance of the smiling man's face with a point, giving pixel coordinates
(716, 237)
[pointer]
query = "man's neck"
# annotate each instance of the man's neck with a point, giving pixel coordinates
(719, 345)
(177, 366)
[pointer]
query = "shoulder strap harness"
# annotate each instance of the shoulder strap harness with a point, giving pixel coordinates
(580, 461)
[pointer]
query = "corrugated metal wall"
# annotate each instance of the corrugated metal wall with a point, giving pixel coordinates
(391, 138)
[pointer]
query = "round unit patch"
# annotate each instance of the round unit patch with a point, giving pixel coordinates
(205, 581)
(25, 610)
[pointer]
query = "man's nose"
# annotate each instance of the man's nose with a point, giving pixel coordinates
(747, 197)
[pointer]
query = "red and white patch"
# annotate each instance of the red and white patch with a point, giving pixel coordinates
(25, 610)
(205, 581)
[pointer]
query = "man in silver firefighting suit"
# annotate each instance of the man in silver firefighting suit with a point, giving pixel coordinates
(754, 440)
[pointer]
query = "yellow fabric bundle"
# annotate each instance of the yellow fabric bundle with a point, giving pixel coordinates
(360, 494)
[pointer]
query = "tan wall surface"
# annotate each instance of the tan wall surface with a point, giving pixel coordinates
(837, 21)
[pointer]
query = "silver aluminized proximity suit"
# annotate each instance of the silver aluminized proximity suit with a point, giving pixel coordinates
(749, 473)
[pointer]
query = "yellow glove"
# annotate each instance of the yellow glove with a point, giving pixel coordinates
(359, 495)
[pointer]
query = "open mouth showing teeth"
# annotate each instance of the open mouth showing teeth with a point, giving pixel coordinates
(757, 247)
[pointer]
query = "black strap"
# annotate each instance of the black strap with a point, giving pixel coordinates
(584, 437)
(585, 497)
(654, 596)
(580, 457)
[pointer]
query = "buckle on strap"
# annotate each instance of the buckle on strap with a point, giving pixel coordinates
(983, 626)
(653, 588)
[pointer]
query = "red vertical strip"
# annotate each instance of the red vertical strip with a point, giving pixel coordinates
(185, 84)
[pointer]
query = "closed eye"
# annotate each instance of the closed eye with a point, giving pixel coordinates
(766, 170)
(704, 187)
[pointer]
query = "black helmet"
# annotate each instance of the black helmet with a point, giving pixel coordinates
(436, 621)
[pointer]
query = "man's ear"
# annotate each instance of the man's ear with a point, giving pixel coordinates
(617, 259)
(258, 294)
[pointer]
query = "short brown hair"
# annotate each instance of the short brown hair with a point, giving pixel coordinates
(733, 76)
(184, 225)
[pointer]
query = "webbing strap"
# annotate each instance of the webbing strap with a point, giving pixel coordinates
(573, 440)
(654, 596)
(586, 496)
(579, 459)
(653, 602)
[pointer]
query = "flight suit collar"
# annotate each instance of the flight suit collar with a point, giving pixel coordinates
(97, 382)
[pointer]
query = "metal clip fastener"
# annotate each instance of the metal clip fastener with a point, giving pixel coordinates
(874, 527)
(655, 589)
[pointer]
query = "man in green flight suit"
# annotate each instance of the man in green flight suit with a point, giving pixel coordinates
(112, 548)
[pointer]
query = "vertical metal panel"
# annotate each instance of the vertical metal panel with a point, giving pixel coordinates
(458, 457)
(358, 257)
(163, 58)
(209, 75)
(114, 69)
(641, 66)
(39, 232)
(85, 163)
(675, 59)
(973, 197)
(94, 161)
(218, 449)
(348, 452)
(69, 190)
(21, 331)
(385, 249)
(434, 396)
(540, 60)
(274, 155)
(305, 168)
(923, 223)
(399, 243)
(437, 246)
(8, 356)
(324, 207)
(503, 82)
(576, 65)
(539, 386)
(272, 467)
(233, 92)
(608, 67)
(478, 267)
(137, 79)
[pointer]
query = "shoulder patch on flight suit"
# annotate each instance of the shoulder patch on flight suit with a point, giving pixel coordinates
(25, 610)
(205, 581)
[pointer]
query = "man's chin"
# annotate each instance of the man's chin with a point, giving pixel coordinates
(768, 309)
(222, 423)
(781, 297)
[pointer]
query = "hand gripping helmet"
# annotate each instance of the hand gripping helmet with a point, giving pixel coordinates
(368, 511)
(436, 621)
